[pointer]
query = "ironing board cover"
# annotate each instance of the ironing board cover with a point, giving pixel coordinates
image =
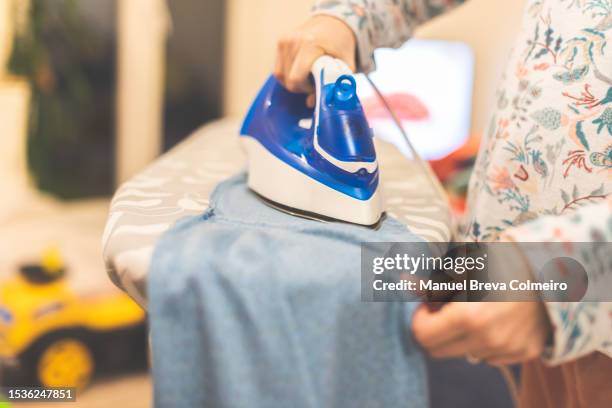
(178, 184)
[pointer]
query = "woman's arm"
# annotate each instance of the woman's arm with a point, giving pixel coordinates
(579, 328)
(381, 23)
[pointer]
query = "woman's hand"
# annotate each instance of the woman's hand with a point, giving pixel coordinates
(297, 51)
(499, 333)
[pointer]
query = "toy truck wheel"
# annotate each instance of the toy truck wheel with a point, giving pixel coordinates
(66, 362)
(61, 360)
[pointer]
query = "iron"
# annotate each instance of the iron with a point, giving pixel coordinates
(318, 163)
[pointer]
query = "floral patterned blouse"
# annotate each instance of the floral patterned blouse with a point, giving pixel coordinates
(544, 170)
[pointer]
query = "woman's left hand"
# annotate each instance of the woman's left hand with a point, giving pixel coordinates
(499, 333)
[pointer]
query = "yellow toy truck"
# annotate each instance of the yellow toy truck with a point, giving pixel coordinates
(52, 337)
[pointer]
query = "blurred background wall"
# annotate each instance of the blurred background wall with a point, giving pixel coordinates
(253, 28)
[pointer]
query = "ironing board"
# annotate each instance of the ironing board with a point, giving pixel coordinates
(178, 184)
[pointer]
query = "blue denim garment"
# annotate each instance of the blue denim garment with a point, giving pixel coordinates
(251, 307)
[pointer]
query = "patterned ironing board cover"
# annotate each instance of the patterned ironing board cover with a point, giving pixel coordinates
(178, 184)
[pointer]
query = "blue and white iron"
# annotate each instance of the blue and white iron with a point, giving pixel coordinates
(317, 163)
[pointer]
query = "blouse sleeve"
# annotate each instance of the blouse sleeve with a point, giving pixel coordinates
(381, 23)
(579, 328)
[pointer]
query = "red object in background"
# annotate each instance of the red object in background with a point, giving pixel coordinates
(405, 106)
(451, 170)
(446, 166)
(449, 164)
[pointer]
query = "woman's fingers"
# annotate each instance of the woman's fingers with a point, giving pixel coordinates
(507, 359)
(294, 60)
(435, 328)
(298, 78)
(458, 347)
(498, 333)
(481, 344)
(530, 352)
(279, 71)
(284, 58)
(297, 51)
(311, 100)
